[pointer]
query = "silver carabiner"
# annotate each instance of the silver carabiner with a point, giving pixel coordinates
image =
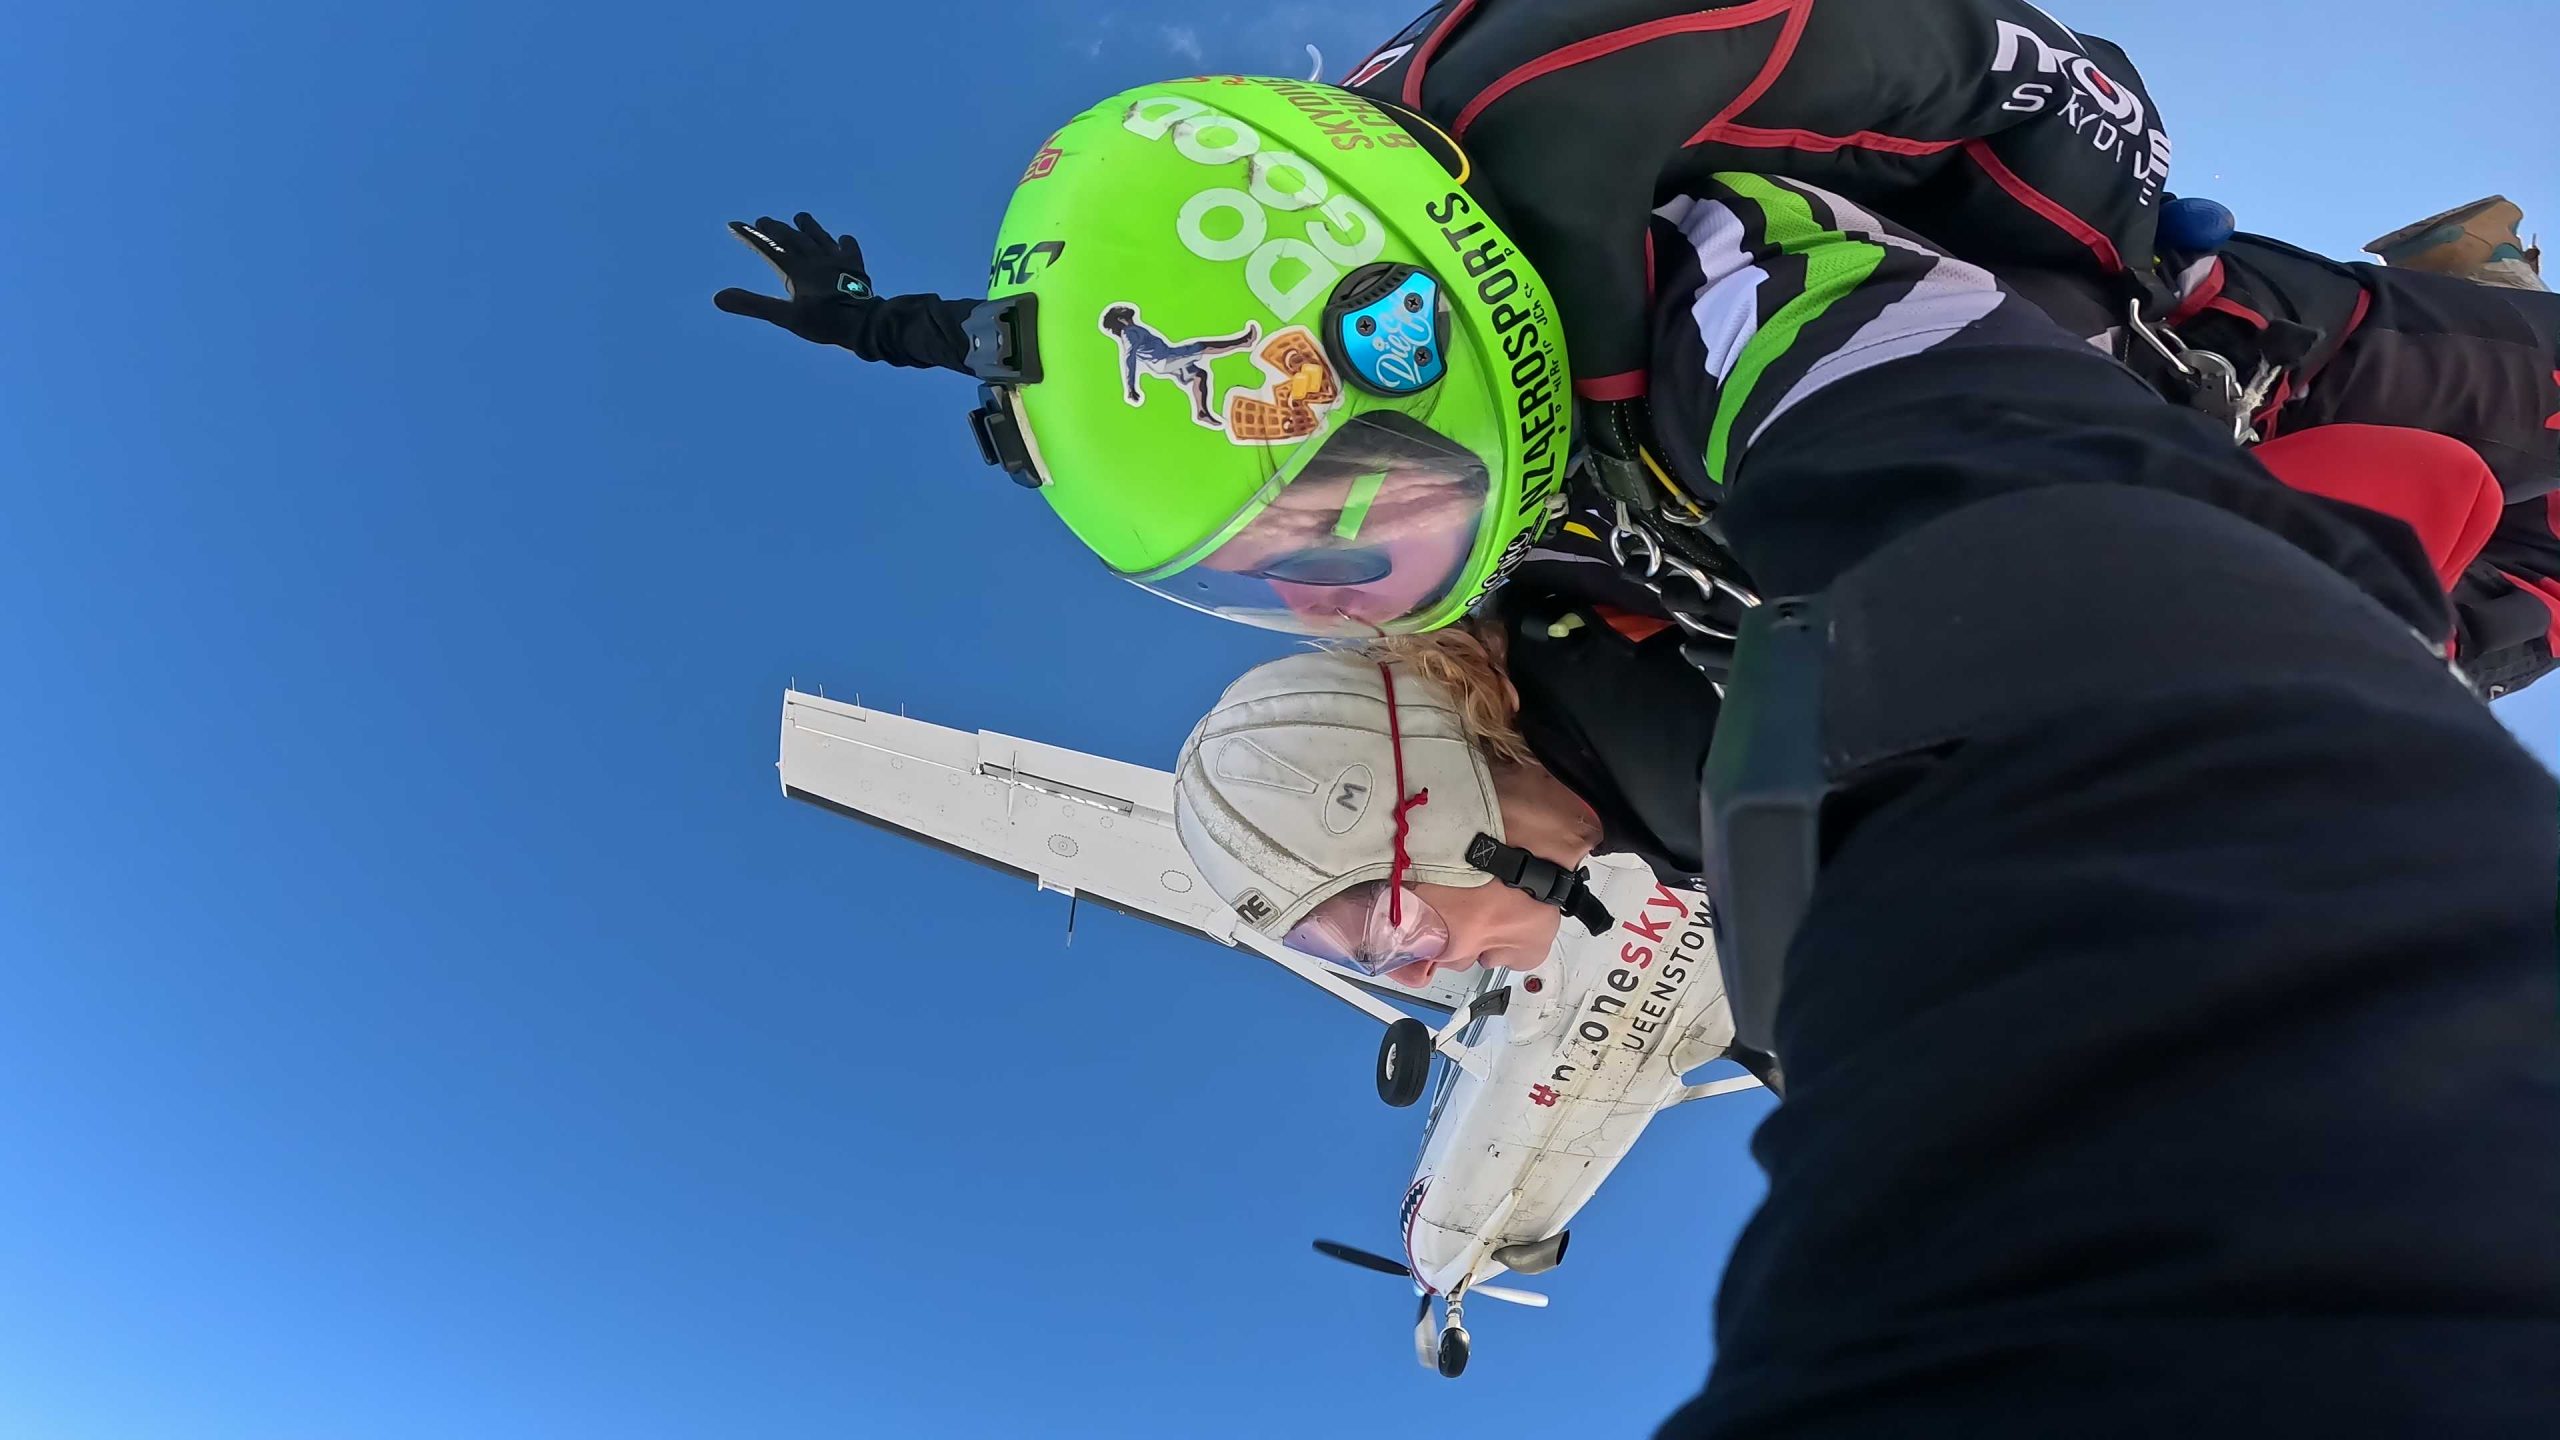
(1715, 584)
(2171, 348)
(1628, 540)
(1701, 629)
(1626, 530)
(2222, 395)
(1708, 587)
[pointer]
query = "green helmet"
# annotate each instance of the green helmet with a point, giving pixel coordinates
(1267, 357)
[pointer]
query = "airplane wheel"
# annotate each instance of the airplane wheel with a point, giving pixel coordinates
(1404, 1062)
(1453, 1353)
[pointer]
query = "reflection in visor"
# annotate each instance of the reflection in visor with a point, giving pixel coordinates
(1329, 567)
(1356, 928)
(1368, 537)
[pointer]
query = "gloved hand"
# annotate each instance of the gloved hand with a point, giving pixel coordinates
(823, 275)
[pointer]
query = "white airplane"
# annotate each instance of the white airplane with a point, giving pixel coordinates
(1547, 1076)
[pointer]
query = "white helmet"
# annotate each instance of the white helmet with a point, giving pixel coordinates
(1289, 792)
(1324, 785)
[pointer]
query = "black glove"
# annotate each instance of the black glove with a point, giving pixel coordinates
(822, 274)
(831, 300)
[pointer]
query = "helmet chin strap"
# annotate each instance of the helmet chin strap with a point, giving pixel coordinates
(1544, 881)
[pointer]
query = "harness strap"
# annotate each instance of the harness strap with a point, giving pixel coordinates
(1544, 881)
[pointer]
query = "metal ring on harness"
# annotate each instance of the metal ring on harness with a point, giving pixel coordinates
(1708, 587)
(1626, 536)
(1626, 530)
(1715, 584)
(2218, 390)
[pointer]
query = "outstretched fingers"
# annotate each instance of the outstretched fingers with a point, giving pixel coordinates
(769, 308)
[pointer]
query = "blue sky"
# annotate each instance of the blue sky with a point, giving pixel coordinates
(422, 1014)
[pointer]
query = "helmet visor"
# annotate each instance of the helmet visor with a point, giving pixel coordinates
(1374, 927)
(1368, 535)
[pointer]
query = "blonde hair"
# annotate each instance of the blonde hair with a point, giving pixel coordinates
(1467, 661)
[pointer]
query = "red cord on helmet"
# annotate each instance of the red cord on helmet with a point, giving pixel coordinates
(1395, 737)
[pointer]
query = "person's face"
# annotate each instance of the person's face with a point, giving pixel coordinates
(1419, 528)
(1489, 925)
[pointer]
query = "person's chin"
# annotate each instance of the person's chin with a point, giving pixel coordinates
(1417, 975)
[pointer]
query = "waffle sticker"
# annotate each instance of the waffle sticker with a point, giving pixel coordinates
(1292, 405)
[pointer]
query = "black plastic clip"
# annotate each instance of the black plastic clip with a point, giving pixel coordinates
(1004, 340)
(1000, 441)
(1541, 880)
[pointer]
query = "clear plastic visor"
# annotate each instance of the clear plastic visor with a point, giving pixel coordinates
(1373, 927)
(1368, 537)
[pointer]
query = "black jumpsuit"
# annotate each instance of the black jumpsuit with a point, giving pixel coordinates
(2174, 1044)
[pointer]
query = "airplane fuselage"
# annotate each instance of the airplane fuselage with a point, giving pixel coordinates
(1593, 1044)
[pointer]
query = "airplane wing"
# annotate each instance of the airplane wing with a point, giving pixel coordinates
(1081, 825)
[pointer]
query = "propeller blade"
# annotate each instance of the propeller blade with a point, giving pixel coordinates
(1362, 1258)
(1530, 1298)
(1426, 1341)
